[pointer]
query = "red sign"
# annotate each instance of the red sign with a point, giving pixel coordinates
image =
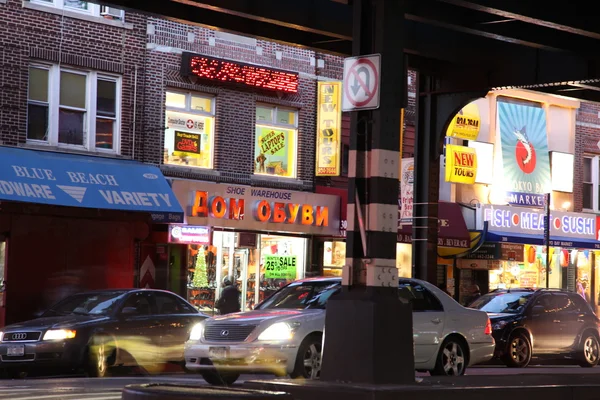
(245, 74)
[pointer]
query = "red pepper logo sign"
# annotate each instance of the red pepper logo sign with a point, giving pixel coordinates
(524, 151)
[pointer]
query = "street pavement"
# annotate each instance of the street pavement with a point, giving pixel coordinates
(80, 388)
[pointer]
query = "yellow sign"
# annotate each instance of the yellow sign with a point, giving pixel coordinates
(329, 129)
(465, 124)
(461, 164)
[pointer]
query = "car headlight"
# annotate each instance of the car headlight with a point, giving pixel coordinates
(59, 334)
(196, 332)
(1, 335)
(279, 331)
(499, 325)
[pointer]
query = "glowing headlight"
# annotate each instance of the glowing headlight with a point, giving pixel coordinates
(59, 334)
(1, 335)
(196, 332)
(278, 331)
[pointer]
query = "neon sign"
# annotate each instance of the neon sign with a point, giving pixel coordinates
(232, 72)
(262, 210)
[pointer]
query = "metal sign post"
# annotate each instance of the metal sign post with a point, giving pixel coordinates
(547, 237)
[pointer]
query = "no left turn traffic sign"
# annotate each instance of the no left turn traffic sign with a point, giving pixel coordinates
(361, 83)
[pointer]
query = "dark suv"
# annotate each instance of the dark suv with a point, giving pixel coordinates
(544, 324)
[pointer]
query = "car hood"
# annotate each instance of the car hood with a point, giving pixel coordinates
(500, 316)
(58, 322)
(260, 316)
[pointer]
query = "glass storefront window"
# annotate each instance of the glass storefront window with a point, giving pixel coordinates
(275, 141)
(258, 268)
(189, 135)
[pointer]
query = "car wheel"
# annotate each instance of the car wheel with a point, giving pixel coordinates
(308, 360)
(100, 352)
(589, 353)
(451, 359)
(519, 351)
(216, 378)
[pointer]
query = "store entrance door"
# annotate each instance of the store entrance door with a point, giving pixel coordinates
(2, 281)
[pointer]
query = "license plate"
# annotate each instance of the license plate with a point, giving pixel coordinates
(218, 352)
(15, 351)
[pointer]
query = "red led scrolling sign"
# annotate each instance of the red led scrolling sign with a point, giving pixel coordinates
(232, 72)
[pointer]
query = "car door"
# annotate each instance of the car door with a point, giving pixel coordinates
(138, 336)
(544, 324)
(176, 319)
(428, 320)
(574, 313)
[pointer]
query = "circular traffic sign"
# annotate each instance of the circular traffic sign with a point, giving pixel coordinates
(365, 81)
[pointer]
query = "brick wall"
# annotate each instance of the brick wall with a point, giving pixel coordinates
(235, 107)
(587, 136)
(27, 35)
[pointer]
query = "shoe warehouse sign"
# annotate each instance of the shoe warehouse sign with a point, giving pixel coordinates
(516, 220)
(258, 209)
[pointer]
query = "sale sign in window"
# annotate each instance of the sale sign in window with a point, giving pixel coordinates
(280, 267)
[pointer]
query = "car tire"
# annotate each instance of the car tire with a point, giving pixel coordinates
(452, 358)
(99, 355)
(308, 360)
(589, 351)
(217, 378)
(519, 351)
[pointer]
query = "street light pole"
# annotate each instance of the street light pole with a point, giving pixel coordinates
(547, 237)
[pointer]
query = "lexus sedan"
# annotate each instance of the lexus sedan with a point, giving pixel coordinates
(96, 332)
(542, 324)
(283, 335)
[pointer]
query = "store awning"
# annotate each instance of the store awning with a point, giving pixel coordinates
(452, 230)
(70, 180)
(555, 241)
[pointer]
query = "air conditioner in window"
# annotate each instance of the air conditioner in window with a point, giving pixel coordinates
(111, 11)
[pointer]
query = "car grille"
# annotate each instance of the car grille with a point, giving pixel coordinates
(227, 332)
(21, 336)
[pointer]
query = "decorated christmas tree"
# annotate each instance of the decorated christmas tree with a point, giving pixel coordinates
(200, 276)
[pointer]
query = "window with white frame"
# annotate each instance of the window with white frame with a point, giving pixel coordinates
(591, 183)
(85, 7)
(276, 141)
(189, 138)
(73, 108)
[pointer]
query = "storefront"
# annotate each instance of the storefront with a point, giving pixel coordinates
(70, 223)
(515, 253)
(259, 238)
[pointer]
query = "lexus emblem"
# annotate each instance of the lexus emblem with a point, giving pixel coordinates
(19, 336)
(224, 333)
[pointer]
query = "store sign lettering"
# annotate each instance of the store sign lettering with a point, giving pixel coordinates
(562, 224)
(262, 210)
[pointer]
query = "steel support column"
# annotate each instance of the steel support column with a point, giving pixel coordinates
(368, 332)
(436, 110)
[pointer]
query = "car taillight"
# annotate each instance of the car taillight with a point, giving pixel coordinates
(488, 327)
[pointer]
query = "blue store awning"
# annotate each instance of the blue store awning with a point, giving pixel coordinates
(555, 241)
(70, 180)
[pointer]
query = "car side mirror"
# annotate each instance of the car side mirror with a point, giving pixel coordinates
(537, 310)
(129, 311)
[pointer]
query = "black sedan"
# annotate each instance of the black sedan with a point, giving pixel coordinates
(546, 324)
(96, 332)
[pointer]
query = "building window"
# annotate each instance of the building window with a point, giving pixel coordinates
(345, 159)
(86, 8)
(189, 136)
(83, 113)
(275, 144)
(591, 183)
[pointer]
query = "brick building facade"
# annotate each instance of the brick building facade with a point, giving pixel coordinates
(586, 169)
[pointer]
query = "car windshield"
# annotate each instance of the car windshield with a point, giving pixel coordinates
(511, 303)
(301, 295)
(101, 303)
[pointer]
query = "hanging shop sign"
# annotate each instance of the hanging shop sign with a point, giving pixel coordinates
(189, 234)
(525, 157)
(329, 129)
(516, 220)
(280, 267)
(225, 71)
(258, 209)
(466, 123)
(461, 164)
(512, 252)
(407, 179)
